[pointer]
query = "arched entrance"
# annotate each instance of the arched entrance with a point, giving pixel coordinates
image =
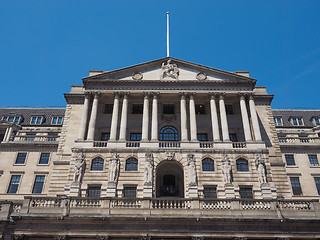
(169, 179)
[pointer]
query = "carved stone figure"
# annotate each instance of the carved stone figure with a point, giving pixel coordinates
(261, 169)
(114, 168)
(226, 169)
(148, 172)
(79, 168)
(170, 155)
(192, 174)
(170, 70)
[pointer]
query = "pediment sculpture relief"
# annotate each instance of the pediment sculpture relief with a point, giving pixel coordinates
(169, 70)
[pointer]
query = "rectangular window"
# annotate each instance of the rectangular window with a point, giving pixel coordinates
(36, 120)
(137, 108)
(316, 121)
(38, 184)
(313, 160)
(21, 158)
(108, 108)
(233, 137)
(202, 137)
(295, 184)
(246, 192)
(229, 109)
(210, 192)
(105, 136)
(94, 191)
(14, 184)
(44, 158)
(135, 136)
(290, 160)
(57, 120)
(168, 108)
(277, 121)
(317, 181)
(297, 121)
(200, 109)
(13, 119)
(130, 192)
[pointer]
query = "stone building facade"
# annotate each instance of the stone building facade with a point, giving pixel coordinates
(166, 149)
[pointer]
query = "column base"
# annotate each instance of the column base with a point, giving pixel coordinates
(193, 192)
(75, 190)
(147, 191)
(111, 189)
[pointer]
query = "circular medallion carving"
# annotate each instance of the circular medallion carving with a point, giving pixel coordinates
(137, 76)
(201, 76)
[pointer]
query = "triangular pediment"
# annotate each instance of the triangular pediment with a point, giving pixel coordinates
(169, 69)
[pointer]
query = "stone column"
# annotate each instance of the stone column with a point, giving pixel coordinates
(183, 116)
(193, 119)
(245, 119)
(84, 117)
(114, 119)
(254, 118)
(6, 134)
(154, 123)
(124, 118)
(223, 116)
(93, 117)
(214, 118)
(145, 118)
(9, 134)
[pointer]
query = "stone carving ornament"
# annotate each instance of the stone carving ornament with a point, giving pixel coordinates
(137, 76)
(79, 168)
(170, 155)
(169, 70)
(201, 76)
(261, 169)
(226, 169)
(114, 168)
(148, 172)
(192, 174)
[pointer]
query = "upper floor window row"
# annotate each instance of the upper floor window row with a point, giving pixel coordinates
(35, 120)
(12, 118)
(296, 121)
(278, 121)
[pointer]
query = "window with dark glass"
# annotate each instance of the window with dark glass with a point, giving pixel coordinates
(1, 137)
(242, 165)
(97, 164)
(290, 159)
(245, 192)
(44, 158)
(168, 108)
(57, 120)
(317, 181)
(38, 184)
(168, 134)
(313, 160)
(233, 137)
(13, 119)
(130, 192)
(229, 109)
(21, 158)
(137, 108)
(278, 121)
(210, 191)
(30, 136)
(135, 136)
(200, 109)
(105, 136)
(131, 164)
(14, 184)
(94, 191)
(202, 137)
(108, 108)
(36, 120)
(207, 165)
(296, 187)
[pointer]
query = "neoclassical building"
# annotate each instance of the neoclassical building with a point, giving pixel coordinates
(166, 149)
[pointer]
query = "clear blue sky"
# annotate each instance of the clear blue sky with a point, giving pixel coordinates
(46, 46)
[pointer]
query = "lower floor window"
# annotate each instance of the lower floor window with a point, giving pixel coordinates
(38, 184)
(246, 192)
(129, 192)
(14, 184)
(317, 180)
(210, 191)
(296, 187)
(94, 191)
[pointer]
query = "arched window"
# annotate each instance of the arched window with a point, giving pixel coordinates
(168, 133)
(242, 165)
(132, 164)
(97, 164)
(207, 165)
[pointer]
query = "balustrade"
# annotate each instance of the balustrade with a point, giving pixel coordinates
(171, 204)
(206, 144)
(169, 144)
(255, 205)
(85, 203)
(297, 140)
(45, 202)
(100, 144)
(295, 205)
(239, 145)
(133, 144)
(27, 138)
(126, 203)
(215, 204)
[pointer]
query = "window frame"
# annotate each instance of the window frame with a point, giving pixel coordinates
(287, 155)
(105, 134)
(297, 121)
(34, 183)
(10, 184)
(169, 136)
(57, 120)
(25, 158)
(241, 188)
(209, 187)
(200, 135)
(49, 157)
(276, 122)
(316, 121)
(126, 188)
(317, 183)
(207, 165)
(92, 188)
(295, 188)
(240, 165)
(316, 163)
(95, 162)
(130, 163)
(36, 121)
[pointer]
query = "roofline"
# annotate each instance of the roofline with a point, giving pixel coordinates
(295, 109)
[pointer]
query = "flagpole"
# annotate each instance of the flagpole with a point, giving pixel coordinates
(167, 34)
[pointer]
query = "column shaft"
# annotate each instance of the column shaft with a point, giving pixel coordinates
(254, 118)
(193, 119)
(154, 124)
(245, 119)
(183, 116)
(114, 119)
(93, 117)
(6, 134)
(84, 118)
(124, 118)
(224, 122)
(10, 131)
(214, 119)
(145, 118)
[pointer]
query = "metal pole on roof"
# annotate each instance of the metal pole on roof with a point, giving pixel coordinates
(167, 34)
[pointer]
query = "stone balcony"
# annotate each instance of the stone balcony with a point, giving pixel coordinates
(299, 141)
